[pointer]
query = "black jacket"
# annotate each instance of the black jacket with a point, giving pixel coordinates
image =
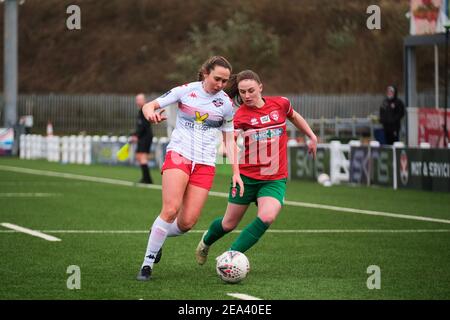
(391, 112)
(143, 127)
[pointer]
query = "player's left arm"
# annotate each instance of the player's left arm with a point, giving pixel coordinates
(300, 123)
(232, 151)
(231, 146)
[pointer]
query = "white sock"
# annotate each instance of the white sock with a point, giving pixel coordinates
(174, 231)
(156, 240)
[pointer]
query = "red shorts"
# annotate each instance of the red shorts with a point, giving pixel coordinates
(200, 175)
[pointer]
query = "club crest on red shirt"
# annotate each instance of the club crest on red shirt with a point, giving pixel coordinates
(274, 115)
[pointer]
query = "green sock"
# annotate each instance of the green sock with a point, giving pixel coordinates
(250, 235)
(215, 232)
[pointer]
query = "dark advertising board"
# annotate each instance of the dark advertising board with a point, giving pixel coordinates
(359, 165)
(424, 169)
(369, 165)
(381, 166)
(303, 166)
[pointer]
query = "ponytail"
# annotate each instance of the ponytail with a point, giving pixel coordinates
(232, 89)
(210, 64)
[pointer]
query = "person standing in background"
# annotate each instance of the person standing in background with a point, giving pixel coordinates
(144, 137)
(392, 110)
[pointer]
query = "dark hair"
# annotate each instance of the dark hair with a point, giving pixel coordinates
(211, 63)
(232, 86)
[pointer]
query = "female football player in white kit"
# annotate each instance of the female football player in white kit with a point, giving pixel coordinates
(189, 166)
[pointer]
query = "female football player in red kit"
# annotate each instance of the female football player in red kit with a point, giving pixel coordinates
(263, 164)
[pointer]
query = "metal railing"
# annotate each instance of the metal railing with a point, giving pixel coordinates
(73, 114)
(116, 114)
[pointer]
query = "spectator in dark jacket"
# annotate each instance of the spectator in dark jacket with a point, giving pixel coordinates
(144, 137)
(392, 110)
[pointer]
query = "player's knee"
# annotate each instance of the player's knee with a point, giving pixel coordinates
(169, 212)
(267, 219)
(185, 226)
(228, 226)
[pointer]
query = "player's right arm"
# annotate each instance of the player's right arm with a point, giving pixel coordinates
(149, 111)
(171, 96)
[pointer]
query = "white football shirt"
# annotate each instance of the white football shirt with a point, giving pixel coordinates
(200, 116)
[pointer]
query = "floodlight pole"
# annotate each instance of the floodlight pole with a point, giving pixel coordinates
(447, 26)
(10, 61)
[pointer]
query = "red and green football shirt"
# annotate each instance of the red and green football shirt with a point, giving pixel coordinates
(265, 138)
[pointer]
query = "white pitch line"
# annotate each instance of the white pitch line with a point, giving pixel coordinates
(362, 231)
(238, 231)
(28, 195)
(221, 194)
(242, 296)
(78, 177)
(367, 212)
(30, 232)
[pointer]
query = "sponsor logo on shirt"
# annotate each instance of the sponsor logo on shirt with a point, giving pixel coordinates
(200, 118)
(254, 121)
(267, 134)
(197, 126)
(265, 119)
(192, 95)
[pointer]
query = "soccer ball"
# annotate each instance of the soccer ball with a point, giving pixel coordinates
(324, 179)
(232, 266)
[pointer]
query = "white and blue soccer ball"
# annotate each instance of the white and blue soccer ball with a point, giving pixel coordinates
(324, 180)
(232, 266)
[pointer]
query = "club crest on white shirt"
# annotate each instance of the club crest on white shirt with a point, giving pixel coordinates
(218, 102)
